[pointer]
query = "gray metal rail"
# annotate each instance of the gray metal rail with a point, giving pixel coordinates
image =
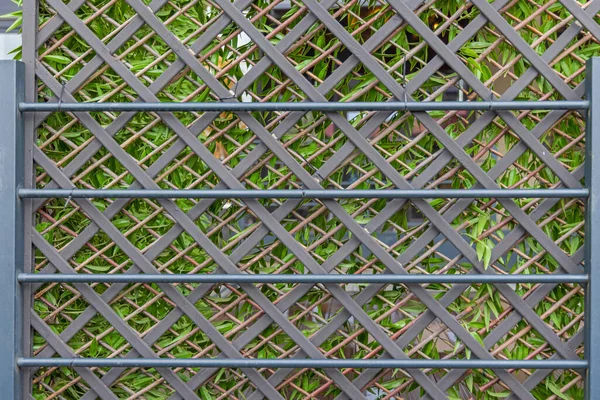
(303, 194)
(293, 278)
(309, 106)
(298, 363)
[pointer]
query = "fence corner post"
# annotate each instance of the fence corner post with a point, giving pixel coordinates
(592, 228)
(12, 85)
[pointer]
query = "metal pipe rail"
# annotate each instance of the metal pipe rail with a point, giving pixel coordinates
(293, 363)
(303, 194)
(309, 106)
(297, 278)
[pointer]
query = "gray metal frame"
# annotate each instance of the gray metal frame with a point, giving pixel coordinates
(11, 236)
(19, 280)
(12, 298)
(592, 180)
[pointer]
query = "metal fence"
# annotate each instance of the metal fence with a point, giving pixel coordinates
(287, 200)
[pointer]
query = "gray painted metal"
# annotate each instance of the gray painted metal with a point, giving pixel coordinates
(592, 250)
(438, 309)
(283, 363)
(303, 194)
(11, 236)
(310, 106)
(440, 224)
(292, 278)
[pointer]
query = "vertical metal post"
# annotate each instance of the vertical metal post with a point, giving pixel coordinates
(11, 233)
(592, 228)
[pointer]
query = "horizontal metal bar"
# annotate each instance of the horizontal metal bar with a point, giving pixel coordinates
(310, 106)
(300, 363)
(296, 278)
(304, 194)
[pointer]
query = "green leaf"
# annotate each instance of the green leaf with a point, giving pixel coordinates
(58, 59)
(556, 390)
(480, 249)
(93, 348)
(18, 20)
(205, 393)
(99, 268)
(121, 223)
(498, 394)
(487, 256)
